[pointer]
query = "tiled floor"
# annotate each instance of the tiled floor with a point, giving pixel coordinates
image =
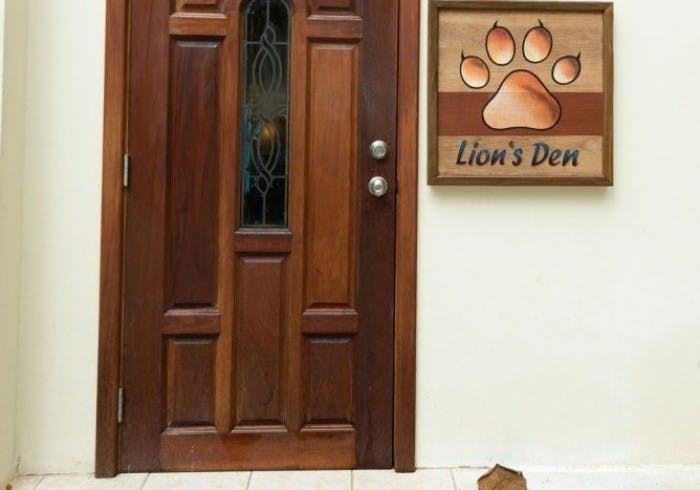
(622, 478)
(259, 480)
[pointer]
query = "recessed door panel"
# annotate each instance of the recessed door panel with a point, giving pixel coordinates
(260, 341)
(190, 382)
(331, 230)
(329, 381)
(193, 172)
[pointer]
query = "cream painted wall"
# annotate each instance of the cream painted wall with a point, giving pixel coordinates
(12, 27)
(562, 326)
(556, 326)
(61, 229)
(2, 51)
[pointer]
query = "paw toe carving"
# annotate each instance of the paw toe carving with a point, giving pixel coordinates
(538, 44)
(500, 45)
(567, 69)
(474, 72)
(522, 99)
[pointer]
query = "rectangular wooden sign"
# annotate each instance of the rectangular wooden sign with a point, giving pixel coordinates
(520, 93)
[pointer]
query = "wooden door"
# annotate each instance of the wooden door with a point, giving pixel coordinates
(258, 331)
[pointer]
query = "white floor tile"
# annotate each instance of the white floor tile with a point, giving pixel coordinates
(131, 481)
(538, 478)
(390, 480)
(468, 478)
(26, 482)
(655, 478)
(234, 480)
(300, 480)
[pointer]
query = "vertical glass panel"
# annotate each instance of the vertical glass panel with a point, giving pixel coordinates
(265, 111)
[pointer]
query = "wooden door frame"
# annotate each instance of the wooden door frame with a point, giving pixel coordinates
(112, 243)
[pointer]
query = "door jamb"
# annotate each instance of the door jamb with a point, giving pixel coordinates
(406, 237)
(112, 242)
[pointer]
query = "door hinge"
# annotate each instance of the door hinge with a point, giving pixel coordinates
(120, 405)
(125, 170)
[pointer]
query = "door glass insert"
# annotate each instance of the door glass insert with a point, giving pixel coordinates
(265, 114)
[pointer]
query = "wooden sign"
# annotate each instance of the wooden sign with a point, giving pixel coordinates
(520, 93)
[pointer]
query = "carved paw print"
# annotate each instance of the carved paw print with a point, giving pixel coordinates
(522, 100)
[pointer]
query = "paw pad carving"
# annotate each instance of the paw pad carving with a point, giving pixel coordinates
(522, 99)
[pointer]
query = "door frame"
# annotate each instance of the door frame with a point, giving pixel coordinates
(112, 240)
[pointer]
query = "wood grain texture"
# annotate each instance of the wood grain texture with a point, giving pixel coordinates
(228, 220)
(263, 241)
(588, 159)
(608, 62)
(335, 28)
(406, 238)
(193, 172)
(144, 269)
(264, 446)
(585, 104)
(201, 6)
(116, 88)
(194, 3)
(190, 381)
(433, 51)
(377, 240)
(330, 321)
(332, 6)
(521, 5)
(192, 321)
(271, 449)
(298, 152)
(329, 381)
(246, 352)
(261, 349)
(582, 114)
(465, 31)
(190, 25)
(331, 221)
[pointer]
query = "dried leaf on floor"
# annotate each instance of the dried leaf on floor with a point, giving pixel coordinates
(502, 478)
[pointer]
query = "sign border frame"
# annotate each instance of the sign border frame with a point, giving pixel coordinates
(605, 8)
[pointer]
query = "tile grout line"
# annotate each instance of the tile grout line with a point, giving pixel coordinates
(143, 485)
(39, 482)
(250, 478)
(352, 479)
(454, 481)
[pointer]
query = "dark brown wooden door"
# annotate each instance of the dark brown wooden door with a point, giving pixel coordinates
(252, 344)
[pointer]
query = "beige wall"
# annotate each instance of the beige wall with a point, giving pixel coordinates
(562, 326)
(11, 150)
(60, 228)
(556, 326)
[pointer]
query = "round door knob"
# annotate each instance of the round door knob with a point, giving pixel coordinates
(378, 186)
(379, 150)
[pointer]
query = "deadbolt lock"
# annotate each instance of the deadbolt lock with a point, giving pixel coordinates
(379, 150)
